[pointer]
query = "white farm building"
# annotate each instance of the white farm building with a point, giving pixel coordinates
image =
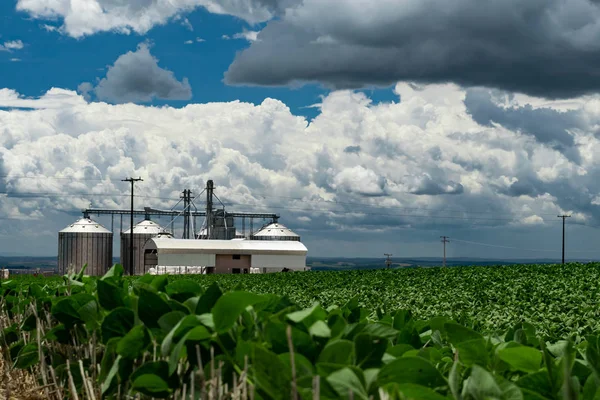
(166, 255)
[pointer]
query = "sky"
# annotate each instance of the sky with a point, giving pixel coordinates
(370, 127)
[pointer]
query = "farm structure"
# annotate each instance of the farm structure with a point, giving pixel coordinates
(170, 256)
(213, 246)
(85, 242)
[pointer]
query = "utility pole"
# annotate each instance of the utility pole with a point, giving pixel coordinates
(445, 240)
(132, 180)
(563, 236)
(187, 200)
(209, 205)
(388, 262)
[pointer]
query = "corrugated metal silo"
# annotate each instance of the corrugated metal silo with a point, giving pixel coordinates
(276, 231)
(141, 233)
(85, 242)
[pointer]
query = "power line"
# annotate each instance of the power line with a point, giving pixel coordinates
(66, 178)
(55, 194)
(361, 204)
(382, 206)
(383, 214)
(521, 248)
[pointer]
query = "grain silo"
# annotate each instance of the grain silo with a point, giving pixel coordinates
(141, 233)
(275, 231)
(85, 242)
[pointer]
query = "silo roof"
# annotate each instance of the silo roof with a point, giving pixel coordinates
(146, 227)
(276, 229)
(85, 225)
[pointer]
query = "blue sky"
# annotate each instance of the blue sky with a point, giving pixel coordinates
(459, 119)
(50, 59)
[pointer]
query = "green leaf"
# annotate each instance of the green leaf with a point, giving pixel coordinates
(402, 319)
(481, 385)
(115, 272)
(345, 381)
(308, 316)
(454, 381)
(28, 356)
(538, 382)
(151, 385)
(473, 352)
(399, 349)
(170, 319)
(158, 368)
(159, 283)
(59, 333)
(510, 391)
(177, 352)
(459, 334)
(380, 330)
(229, 307)
(320, 329)
(183, 289)
(178, 331)
(412, 391)
(79, 276)
(411, 370)
(133, 344)
(592, 354)
(270, 374)
(339, 351)
(209, 299)
(198, 333)
(107, 384)
(29, 324)
(151, 307)
(110, 296)
(65, 310)
(369, 350)
(304, 368)
(117, 323)
(522, 358)
(89, 313)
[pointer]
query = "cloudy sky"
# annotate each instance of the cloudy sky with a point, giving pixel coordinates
(370, 127)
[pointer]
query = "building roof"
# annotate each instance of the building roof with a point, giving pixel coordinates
(276, 229)
(145, 227)
(226, 246)
(85, 225)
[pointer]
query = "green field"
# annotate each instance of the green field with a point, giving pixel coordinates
(559, 301)
(466, 333)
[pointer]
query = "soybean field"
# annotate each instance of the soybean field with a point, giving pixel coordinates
(518, 332)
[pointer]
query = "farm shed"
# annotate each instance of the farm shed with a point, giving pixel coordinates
(168, 255)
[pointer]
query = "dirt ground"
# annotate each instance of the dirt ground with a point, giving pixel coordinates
(17, 385)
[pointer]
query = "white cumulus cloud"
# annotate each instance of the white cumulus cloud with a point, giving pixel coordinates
(418, 164)
(87, 17)
(12, 45)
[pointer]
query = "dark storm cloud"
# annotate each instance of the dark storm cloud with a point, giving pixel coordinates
(136, 77)
(525, 186)
(546, 125)
(548, 48)
(352, 149)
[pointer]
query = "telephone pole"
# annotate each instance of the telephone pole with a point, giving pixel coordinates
(388, 262)
(444, 241)
(132, 180)
(563, 236)
(187, 200)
